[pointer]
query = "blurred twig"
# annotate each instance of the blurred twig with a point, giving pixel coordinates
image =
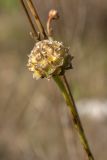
(36, 18)
(29, 18)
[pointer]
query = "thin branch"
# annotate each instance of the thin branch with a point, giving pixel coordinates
(69, 90)
(53, 15)
(36, 18)
(66, 92)
(29, 18)
(72, 99)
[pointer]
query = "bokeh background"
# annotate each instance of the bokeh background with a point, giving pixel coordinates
(35, 123)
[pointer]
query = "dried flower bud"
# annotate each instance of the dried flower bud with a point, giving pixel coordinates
(53, 14)
(49, 58)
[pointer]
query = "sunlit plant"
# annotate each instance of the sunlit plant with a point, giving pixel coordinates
(50, 59)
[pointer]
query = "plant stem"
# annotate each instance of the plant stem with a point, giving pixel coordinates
(64, 88)
(76, 120)
(29, 18)
(36, 18)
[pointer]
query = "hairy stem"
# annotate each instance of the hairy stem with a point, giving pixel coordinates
(76, 120)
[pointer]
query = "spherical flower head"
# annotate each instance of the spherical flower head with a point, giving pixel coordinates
(49, 58)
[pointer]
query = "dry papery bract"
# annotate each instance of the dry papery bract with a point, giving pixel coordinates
(49, 58)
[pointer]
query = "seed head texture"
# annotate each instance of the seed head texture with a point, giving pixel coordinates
(49, 58)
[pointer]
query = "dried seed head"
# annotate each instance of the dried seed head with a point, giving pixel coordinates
(49, 58)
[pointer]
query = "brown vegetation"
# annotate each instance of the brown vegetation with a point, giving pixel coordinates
(31, 116)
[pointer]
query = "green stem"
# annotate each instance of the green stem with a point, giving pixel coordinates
(76, 120)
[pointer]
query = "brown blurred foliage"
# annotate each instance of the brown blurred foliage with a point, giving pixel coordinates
(34, 123)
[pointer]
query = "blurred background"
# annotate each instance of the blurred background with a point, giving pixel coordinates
(35, 123)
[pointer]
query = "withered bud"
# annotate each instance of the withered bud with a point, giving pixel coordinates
(49, 58)
(53, 14)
